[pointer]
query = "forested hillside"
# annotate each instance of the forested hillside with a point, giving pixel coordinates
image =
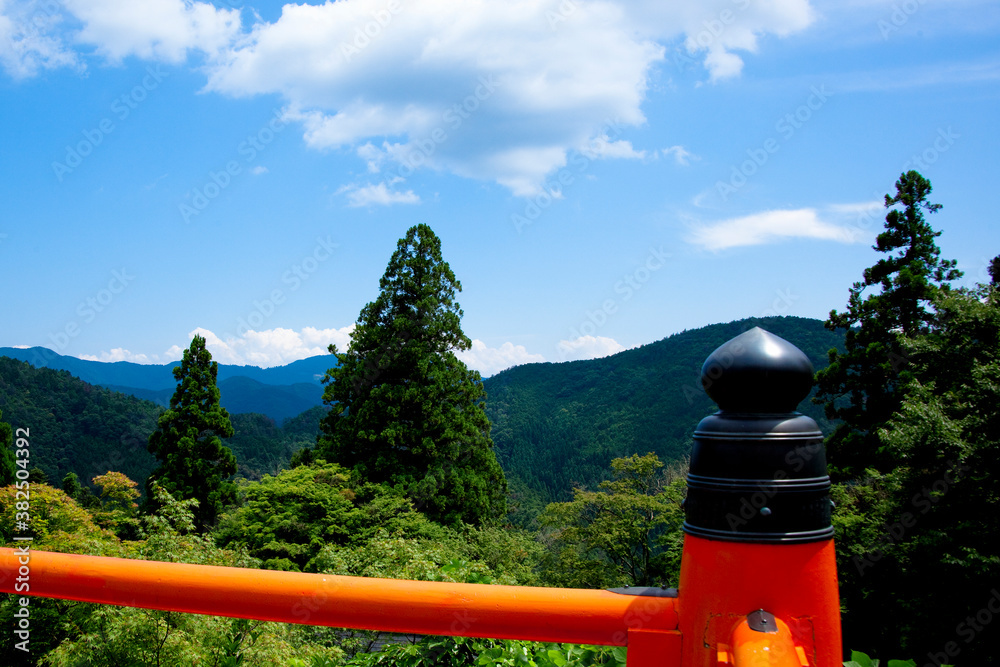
(77, 427)
(554, 426)
(558, 426)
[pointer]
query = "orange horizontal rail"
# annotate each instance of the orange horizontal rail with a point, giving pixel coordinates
(392, 605)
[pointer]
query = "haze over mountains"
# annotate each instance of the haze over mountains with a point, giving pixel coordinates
(555, 426)
(279, 392)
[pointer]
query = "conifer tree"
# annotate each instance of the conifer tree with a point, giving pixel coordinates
(7, 467)
(405, 411)
(187, 440)
(862, 386)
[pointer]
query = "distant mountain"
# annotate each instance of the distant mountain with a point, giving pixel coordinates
(280, 392)
(77, 427)
(557, 426)
(241, 394)
(160, 376)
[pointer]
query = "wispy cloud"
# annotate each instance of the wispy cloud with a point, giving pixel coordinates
(682, 156)
(775, 226)
(588, 347)
(491, 360)
(379, 193)
(270, 347)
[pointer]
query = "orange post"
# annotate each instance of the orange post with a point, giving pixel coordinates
(759, 535)
(797, 583)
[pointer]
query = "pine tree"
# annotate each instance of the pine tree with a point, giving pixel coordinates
(405, 411)
(861, 387)
(187, 440)
(7, 467)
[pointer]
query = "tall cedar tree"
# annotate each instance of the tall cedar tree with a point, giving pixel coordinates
(187, 440)
(7, 467)
(862, 387)
(405, 411)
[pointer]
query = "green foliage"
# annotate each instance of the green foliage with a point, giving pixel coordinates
(404, 410)
(859, 659)
(118, 507)
(558, 426)
(862, 386)
(261, 447)
(944, 559)
(7, 467)
(77, 427)
(188, 438)
(287, 519)
(628, 533)
(472, 652)
(71, 485)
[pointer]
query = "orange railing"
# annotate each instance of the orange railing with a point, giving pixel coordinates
(393, 605)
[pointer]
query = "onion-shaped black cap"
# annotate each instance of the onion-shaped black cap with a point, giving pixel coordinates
(757, 372)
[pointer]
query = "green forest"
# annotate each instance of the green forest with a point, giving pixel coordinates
(560, 475)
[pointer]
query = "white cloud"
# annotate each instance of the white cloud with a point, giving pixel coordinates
(121, 354)
(717, 29)
(681, 155)
(502, 90)
(154, 29)
(771, 227)
(259, 170)
(858, 208)
(271, 347)
(588, 347)
(491, 360)
(603, 147)
(29, 38)
(377, 194)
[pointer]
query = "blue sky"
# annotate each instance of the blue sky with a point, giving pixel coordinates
(602, 174)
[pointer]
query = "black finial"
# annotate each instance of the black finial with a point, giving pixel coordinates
(757, 372)
(758, 469)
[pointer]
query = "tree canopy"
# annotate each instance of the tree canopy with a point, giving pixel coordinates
(188, 439)
(405, 411)
(861, 386)
(6, 453)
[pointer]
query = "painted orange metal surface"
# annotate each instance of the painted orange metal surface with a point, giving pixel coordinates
(393, 605)
(722, 582)
(751, 648)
